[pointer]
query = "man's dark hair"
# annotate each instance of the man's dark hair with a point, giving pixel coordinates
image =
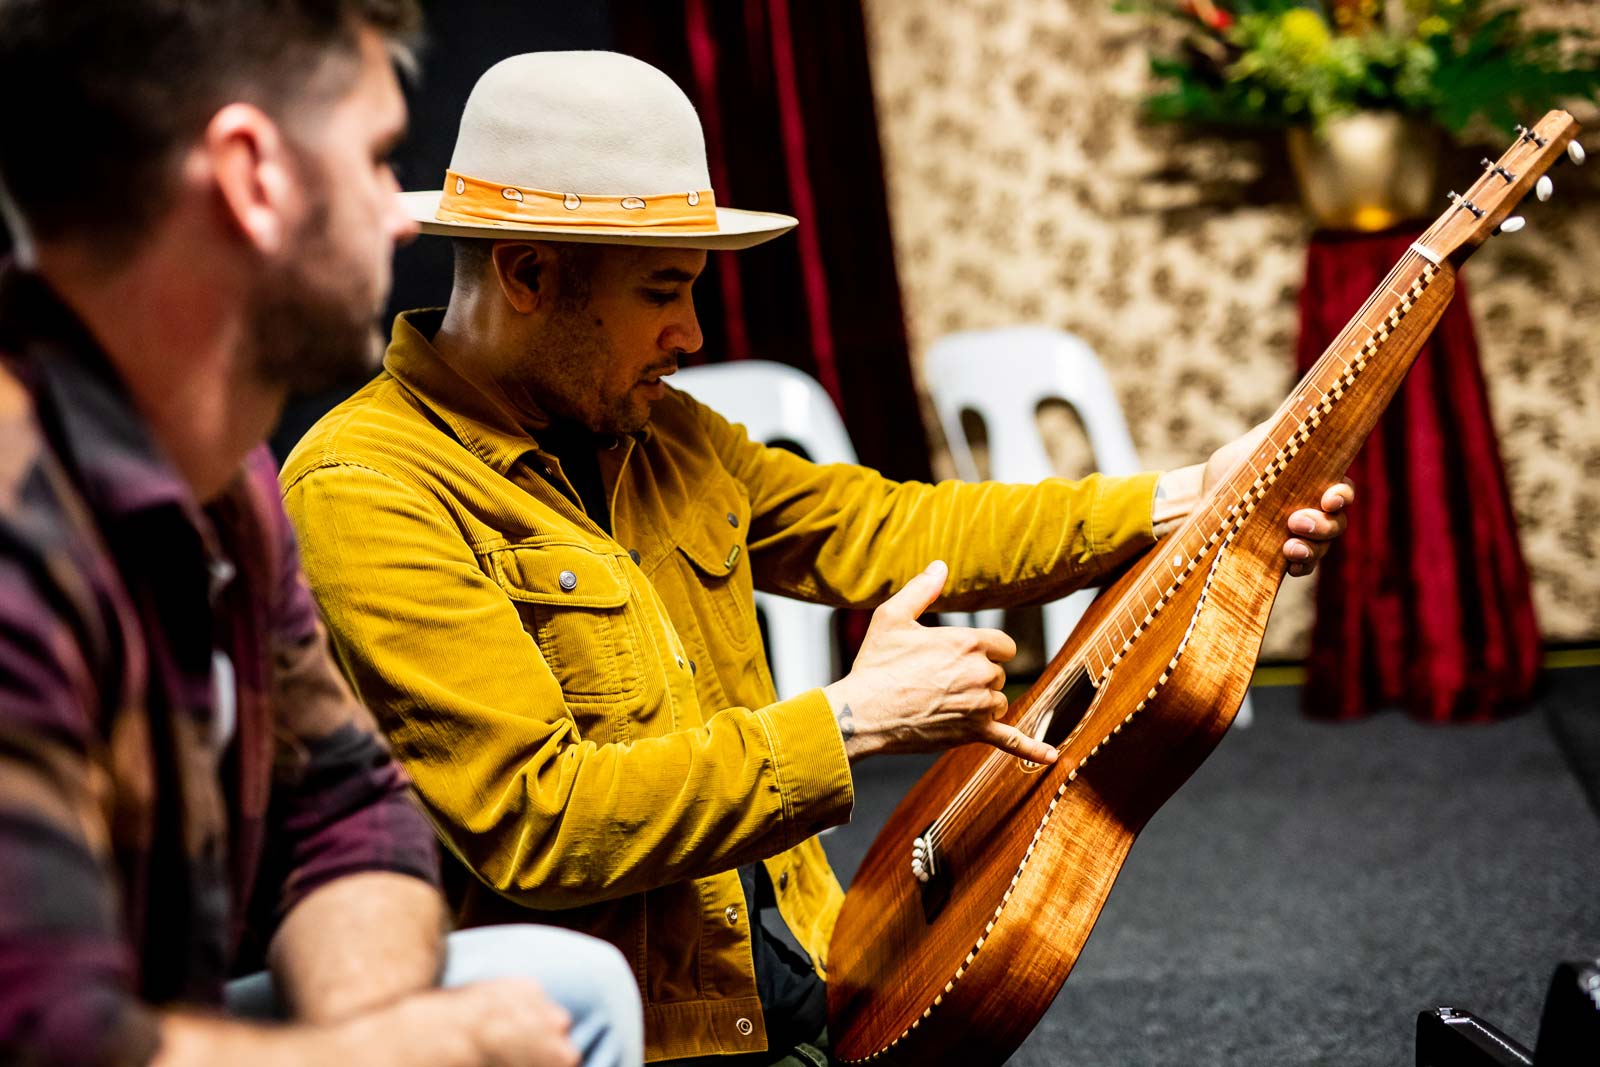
(577, 262)
(101, 98)
(471, 257)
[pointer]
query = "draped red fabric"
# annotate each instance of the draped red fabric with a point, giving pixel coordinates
(702, 46)
(1425, 603)
(784, 93)
(791, 120)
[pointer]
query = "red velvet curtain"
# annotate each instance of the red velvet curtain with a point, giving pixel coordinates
(785, 96)
(1425, 603)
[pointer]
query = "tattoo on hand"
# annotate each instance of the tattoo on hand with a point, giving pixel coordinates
(847, 725)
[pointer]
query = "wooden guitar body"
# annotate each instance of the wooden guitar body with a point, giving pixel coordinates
(1026, 882)
(974, 902)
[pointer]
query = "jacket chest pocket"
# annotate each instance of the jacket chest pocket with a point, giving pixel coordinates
(574, 603)
(713, 539)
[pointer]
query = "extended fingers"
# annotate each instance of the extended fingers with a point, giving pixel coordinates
(1314, 530)
(997, 680)
(996, 644)
(1310, 524)
(1303, 555)
(985, 681)
(1012, 740)
(915, 596)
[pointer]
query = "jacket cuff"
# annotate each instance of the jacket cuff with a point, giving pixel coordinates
(1121, 519)
(810, 765)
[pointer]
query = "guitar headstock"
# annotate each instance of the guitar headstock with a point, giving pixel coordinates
(1485, 208)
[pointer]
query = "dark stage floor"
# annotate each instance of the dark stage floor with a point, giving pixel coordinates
(1314, 886)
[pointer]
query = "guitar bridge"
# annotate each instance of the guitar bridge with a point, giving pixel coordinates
(924, 857)
(933, 878)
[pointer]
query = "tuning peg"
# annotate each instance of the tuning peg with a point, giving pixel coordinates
(1511, 225)
(1544, 189)
(1575, 152)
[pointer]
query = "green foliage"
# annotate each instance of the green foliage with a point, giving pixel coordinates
(1266, 63)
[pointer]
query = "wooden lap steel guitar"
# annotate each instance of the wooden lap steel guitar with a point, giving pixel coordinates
(975, 900)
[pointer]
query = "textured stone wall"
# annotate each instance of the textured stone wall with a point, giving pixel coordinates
(1024, 188)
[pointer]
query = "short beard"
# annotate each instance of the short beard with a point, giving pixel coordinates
(560, 368)
(563, 360)
(311, 325)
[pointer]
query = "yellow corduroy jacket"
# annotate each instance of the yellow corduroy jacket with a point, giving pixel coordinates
(590, 720)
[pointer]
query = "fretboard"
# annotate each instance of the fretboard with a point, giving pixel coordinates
(1335, 377)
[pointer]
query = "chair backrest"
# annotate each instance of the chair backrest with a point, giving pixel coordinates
(1004, 375)
(774, 402)
(777, 403)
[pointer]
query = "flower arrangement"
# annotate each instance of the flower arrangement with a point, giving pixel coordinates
(1303, 62)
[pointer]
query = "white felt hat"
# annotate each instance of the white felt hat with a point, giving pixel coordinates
(584, 146)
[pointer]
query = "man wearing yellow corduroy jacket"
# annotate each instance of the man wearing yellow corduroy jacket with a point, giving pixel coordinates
(537, 561)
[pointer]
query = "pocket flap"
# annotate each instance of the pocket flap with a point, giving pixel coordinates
(560, 574)
(716, 529)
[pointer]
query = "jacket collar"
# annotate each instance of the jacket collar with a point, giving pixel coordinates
(486, 426)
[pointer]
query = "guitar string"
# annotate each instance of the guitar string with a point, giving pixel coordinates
(1426, 277)
(996, 763)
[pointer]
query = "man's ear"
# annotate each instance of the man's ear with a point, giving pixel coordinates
(246, 156)
(526, 273)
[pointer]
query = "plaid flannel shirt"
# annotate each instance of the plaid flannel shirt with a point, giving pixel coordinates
(180, 761)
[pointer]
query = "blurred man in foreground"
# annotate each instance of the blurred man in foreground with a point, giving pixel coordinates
(204, 219)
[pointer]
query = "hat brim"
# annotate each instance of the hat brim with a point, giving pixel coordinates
(735, 228)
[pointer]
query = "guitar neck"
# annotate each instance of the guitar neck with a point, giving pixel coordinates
(1334, 405)
(1319, 428)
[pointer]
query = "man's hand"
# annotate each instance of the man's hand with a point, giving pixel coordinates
(507, 1022)
(917, 688)
(501, 1023)
(1311, 531)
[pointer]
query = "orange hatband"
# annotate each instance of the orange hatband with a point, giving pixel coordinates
(475, 201)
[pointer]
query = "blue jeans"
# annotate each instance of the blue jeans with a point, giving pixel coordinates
(584, 975)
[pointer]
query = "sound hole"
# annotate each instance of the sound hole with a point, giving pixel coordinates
(1057, 724)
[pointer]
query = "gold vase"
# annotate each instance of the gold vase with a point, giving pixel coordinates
(1366, 171)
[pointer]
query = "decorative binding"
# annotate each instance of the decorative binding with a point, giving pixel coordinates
(1232, 520)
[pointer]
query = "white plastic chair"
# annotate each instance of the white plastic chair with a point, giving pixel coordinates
(1003, 376)
(777, 403)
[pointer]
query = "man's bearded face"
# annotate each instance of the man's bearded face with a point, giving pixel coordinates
(612, 333)
(315, 314)
(315, 322)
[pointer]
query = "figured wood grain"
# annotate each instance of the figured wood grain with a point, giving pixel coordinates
(1028, 855)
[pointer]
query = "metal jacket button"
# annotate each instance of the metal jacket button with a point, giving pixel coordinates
(733, 914)
(744, 1026)
(568, 580)
(633, 554)
(733, 520)
(783, 881)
